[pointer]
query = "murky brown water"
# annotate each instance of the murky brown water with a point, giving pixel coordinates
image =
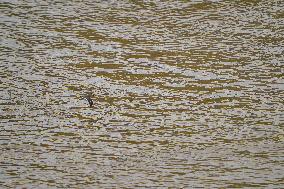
(187, 94)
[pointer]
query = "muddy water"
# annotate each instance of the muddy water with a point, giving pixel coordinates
(186, 94)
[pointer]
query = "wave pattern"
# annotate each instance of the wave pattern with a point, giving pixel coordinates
(187, 94)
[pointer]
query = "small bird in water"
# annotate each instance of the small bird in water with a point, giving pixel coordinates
(88, 98)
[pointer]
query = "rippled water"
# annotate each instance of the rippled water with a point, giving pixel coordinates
(187, 94)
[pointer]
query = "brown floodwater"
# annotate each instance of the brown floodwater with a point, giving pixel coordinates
(187, 94)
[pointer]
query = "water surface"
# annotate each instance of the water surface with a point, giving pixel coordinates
(187, 94)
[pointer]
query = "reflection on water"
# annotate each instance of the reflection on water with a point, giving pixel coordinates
(186, 94)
